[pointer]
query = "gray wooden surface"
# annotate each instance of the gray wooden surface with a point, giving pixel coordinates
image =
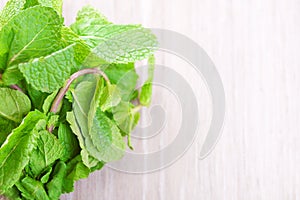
(255, 46)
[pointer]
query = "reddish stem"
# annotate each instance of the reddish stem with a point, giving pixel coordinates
(15, 86)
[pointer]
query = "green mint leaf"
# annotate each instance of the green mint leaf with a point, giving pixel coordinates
(23, 39)
(55, 4)
(32, 189)
(11, 8)
(109, 144)
(91, 14)
(126, 116)
(55, 186)
(81, 49)
(12, 75)
(31, 3)
(110, 97)
(48, 102)
(107, 138)
(37, 97)
(15, 152)
(125, 77)
(52, 120)
(66, 107)
(146, 91)
(88, 16)
(98, 166)
(36, 72)
(6, 126)
(83, 96)
(68, 141)
(45, 178)
(48, 150)
(76, 170)
(73, 124)
(113, 43)
(13, 193)
(134, 95)
(119, 43)
(13, 104)
(6, 36)
(87, 159)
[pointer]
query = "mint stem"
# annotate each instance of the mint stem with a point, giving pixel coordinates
(60, 96)
(16, 87)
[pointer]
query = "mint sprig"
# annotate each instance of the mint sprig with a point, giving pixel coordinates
(66, 95)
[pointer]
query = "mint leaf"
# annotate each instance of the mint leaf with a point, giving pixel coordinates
(88, 13)
(36, 72)
(55, 4)
(89, 160)
(110, 97)
(13, 193)
(83, 96)
(125, 77)
(107, 138)
(23, 39)
(13, 104)
(37, 97)
(12, 75)
(31, 3)
(76, 170)
(85, 92)
(55, 186)
(15, 152)
(114, 43)
(6, 126)
(88, 16)
(81, 49)
(119, 43)
(48, 150)
(68, 141)
(11, 8)
(48, 102)
(45, 178)
(32, 189)
(126, 116)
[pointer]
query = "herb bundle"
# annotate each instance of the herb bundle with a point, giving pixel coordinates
(66, 95)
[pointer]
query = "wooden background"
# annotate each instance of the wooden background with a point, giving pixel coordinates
(255, 46)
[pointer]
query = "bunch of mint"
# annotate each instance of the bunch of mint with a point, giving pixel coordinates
(68, 97)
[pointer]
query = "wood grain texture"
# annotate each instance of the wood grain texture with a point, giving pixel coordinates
(255, 46)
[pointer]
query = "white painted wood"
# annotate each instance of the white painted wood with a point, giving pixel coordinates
(255, 46)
